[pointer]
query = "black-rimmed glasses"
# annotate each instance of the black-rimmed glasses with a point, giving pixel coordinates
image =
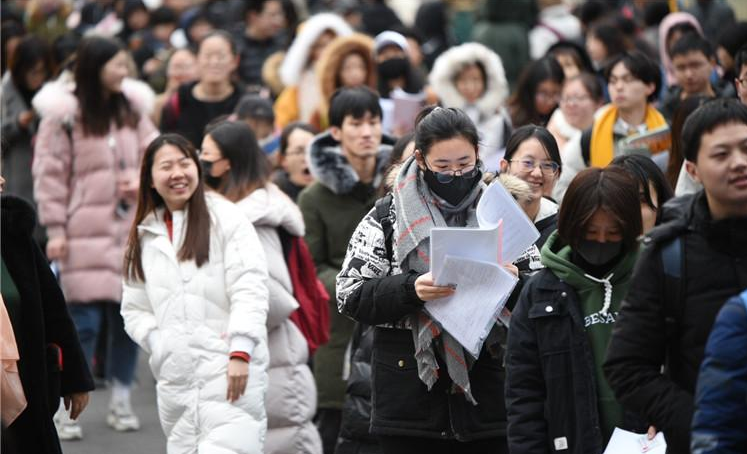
(468, 172)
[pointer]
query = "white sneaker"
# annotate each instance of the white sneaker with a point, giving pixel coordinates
(121, 418)
(67, 429)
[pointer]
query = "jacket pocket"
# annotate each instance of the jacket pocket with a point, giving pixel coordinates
(398, 392)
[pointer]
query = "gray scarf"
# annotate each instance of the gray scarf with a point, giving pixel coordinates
(419, 210)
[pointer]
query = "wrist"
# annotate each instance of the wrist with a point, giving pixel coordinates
(244, 356)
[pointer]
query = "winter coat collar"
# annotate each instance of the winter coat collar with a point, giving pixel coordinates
(270, 207)
(56, 99)
(18, 216)
(450, 63)
(328, 165)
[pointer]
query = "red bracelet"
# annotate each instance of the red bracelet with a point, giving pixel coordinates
(240, 355)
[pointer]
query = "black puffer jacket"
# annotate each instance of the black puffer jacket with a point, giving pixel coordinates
(714, 267)
(355, 437)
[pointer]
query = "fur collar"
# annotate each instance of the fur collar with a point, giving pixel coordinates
(297, 58)
(332, 58)
(56, 99)
(331, 169)
(448, 65)
(18, 216)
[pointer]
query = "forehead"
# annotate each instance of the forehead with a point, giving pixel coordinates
(455, 148)
(214, 43)
(691, 55)
(620, 70)
(724, 135)
(169, 153)
(531, 148)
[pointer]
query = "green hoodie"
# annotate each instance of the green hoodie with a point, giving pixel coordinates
(598, 325)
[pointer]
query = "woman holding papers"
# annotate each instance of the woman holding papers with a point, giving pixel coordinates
(428, 393)
(556, 394)
(532, 155)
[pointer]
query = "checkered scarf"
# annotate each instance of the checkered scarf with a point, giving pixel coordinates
(418, 210)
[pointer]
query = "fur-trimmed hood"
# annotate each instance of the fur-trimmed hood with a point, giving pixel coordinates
(57, 100)
(332, 58)
(270, 207)
(297, 57)
(450, 63)
(328, 165)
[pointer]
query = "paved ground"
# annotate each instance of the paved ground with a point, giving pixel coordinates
(98, 438)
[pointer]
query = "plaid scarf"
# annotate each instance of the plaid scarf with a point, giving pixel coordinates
(418, 210)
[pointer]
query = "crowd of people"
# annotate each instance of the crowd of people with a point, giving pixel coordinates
(245, 190)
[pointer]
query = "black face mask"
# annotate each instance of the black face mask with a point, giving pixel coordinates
(207, 168)
(455, 190)
(393, 68)
(596, 253)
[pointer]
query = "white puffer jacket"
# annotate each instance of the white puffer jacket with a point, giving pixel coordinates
(291, 396)
(189, 319)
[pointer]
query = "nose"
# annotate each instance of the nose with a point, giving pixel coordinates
(366, 129)
(536, 171)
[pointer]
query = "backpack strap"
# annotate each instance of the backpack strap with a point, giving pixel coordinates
(586, 146)
(383, 216)
(673, 263)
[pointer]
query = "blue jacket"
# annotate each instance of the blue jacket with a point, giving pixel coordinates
(720, 420)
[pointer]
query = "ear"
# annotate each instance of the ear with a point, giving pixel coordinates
(692, 170)
(504, 166)
(336, 133)
(419, 159)
(650, 88)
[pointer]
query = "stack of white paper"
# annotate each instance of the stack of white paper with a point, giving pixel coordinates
(471, 259)
(624, 442)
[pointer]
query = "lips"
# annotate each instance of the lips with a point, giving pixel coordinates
(740, 181)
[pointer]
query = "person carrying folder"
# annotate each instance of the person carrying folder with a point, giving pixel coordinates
(428, 394)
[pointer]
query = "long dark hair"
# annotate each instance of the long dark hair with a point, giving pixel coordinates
(197, 239)
(526, 132)
(645, 171)
(250, 168)
(97, 108)
(676, 155)
(521, 104)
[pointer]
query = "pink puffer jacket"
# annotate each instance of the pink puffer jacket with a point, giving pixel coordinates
(75, 187)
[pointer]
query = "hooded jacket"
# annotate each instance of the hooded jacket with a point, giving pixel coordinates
(667, 23)
(556, 396)
(332, 206)
(291, 394)
(655, 328)
(189, 319)
(492, 120)
(330, 63)
(295, 71)
(75, 186)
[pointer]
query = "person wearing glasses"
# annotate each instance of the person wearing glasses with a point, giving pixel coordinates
(533, 156)
(633, 81)
(428, 395)
(580, 98)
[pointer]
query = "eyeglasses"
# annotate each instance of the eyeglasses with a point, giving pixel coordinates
(547, 96)
(574, 100)
(546, 167)
(469, 171)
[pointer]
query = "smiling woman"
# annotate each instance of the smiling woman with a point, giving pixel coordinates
(205, 329)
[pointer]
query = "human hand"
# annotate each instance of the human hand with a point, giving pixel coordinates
(511, 268)
(25, 118)
(57, 248)
(76, 403)
(427, 291)
(238, 376)
(651, 432)
(128, 186)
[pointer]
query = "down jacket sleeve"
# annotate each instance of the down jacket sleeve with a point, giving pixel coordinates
(246, 280)
(137, 312)
(51, 171)
(637, 350)
(525, 387)
(721, 400)
(366, 289)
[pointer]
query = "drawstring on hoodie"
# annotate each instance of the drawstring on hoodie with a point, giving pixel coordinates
(607, 290)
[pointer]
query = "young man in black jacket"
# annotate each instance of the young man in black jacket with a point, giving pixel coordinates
(687, 270)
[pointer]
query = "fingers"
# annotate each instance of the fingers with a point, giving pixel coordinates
(434, 293)
(66, 400)
(236, 387)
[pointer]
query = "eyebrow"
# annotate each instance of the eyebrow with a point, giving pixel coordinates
(447, 161)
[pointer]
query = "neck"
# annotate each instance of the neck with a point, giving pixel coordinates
(707, 91)
(364, 166)
(211, 91)
(533, 208)
(633, 116)
(720, 211)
